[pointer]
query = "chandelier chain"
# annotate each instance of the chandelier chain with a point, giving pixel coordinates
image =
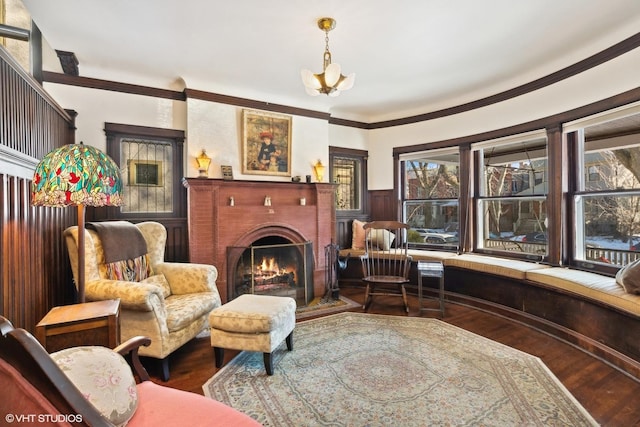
(327, 54)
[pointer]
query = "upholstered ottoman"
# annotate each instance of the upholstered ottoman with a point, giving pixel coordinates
(253, 323)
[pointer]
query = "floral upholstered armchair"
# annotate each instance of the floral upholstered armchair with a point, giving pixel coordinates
(167, 302)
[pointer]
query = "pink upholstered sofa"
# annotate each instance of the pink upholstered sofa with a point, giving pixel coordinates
(94, 386)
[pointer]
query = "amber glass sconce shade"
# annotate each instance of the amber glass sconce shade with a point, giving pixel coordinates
(318, 168)
(203, 164)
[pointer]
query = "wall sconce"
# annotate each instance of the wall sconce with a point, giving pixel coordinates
(203, 164)
(319, 170)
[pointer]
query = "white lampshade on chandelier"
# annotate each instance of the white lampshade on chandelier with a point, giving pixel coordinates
(331, 81)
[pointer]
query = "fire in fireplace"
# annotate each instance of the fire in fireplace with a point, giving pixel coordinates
(273, 266)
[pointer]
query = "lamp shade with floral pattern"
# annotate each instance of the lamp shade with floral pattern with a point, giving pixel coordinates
(76, 174)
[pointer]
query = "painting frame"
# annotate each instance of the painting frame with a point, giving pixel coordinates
(145, 172)
(227, 172)
(266, 143)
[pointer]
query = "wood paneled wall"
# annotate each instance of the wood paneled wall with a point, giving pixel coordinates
(35, 267)
(383, 206)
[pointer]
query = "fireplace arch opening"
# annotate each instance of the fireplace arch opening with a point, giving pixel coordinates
(272, 265)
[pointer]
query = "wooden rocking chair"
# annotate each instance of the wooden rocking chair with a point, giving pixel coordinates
(386, 261)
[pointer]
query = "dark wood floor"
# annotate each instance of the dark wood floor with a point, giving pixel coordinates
(610, 396)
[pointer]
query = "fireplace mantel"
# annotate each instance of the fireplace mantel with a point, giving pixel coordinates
(216, 223)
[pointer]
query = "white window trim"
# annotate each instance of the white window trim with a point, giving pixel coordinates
(540, 134)
(607, 116)
(426, 154)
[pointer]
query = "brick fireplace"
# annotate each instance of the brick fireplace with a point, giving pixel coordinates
(225, 214)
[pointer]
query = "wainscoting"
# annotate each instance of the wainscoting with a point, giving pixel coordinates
(34, 262)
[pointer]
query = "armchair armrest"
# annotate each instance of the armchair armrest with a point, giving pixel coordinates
(188, 278)
(132, 295)
(130, 347)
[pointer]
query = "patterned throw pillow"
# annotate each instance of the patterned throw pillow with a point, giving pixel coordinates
(629, 277)
(131, 270)
(161, 281)
(104, 378)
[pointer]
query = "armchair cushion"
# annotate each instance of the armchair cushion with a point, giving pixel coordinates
(184, 309)
(104, 378)
(138, 296)
(159, 280)
(187, 278)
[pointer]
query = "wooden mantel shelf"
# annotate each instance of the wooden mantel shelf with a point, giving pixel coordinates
(216, 224)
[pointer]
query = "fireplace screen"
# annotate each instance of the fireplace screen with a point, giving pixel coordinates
(273, 269)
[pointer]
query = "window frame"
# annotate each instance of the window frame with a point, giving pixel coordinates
(117, 133)
(404, 200)
(573, 134)
(535, 138)
(360, 156)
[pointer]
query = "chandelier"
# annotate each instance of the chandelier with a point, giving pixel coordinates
(331, 81)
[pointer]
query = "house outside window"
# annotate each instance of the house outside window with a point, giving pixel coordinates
(430, 191)
(511, 203)
(593, 172)
(606, 203)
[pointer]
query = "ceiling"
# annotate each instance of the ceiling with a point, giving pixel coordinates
(410, 56)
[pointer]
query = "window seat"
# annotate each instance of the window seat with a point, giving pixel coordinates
(587, 309)
(593, 286)
(494, 265)
(352, 275)
(582, 283)
(416, 254)
(590, 285)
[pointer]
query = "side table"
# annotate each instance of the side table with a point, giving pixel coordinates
(90, 323)
(431, 269)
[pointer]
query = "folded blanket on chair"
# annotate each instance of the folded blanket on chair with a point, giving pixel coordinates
(121, 240)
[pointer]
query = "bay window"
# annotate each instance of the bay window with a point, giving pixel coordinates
(606, 196)
(512, 182)
(430, 191)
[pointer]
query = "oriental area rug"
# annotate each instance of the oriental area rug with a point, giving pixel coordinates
(357, 369)
(319, 306)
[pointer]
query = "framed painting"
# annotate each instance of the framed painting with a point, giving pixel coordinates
(145, 172)
(227, 172)
(266, 143)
